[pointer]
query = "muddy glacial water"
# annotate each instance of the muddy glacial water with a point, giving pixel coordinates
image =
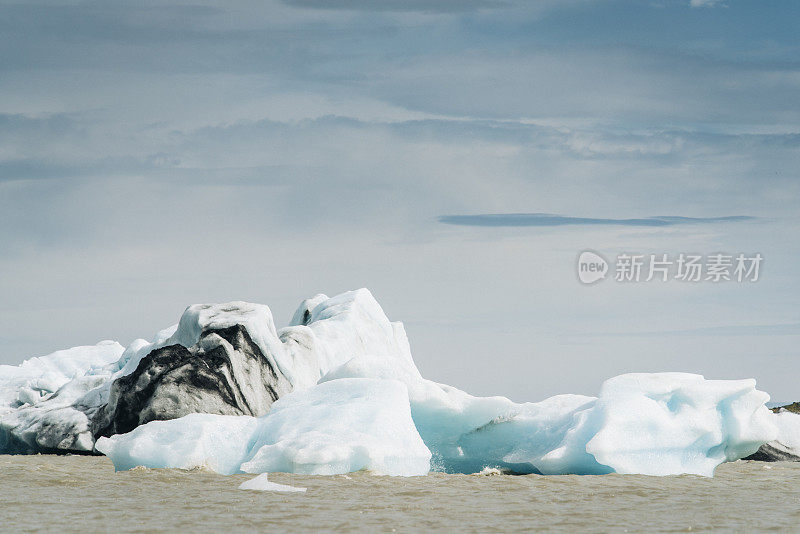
(82, 493)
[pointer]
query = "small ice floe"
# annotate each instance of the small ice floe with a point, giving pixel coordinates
(260, 483)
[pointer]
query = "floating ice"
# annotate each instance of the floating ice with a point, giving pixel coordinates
(665, 423)
(334, 428)
(46, 403)
(657, 424)
(262, 483)
(442, 414)
(359, 402)
(200, 440)
(341, 427)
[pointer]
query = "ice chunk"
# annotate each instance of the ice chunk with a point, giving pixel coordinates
(46, 403)
(338, 329)
(788, 430)
(441, 413)
(216, 442)
(657, 424)
(336, 427)
(652, 424)
(786, 447)
(261, 483)
(38, 378)
(341, 427)
(667, 423)
(546, 437)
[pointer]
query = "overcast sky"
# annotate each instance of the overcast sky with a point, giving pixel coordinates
(179, 152)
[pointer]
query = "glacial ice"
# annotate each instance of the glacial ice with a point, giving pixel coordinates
(678, 423)
(38, 378)
(46, 403)
(655, 424)
(789, 430)
(359, 402)
(333, 428)
(786, 446)
(198, 440)
(338, 329)
(262, 483)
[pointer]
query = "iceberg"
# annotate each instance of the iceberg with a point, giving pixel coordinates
(665, 423)
(645, 423)
(334, 428)
(337, 390)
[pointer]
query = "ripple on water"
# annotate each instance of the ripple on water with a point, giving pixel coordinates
(85, 492)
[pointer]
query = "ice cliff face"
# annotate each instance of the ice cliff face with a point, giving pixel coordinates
(338, 391)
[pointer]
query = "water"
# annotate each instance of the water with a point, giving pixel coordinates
(55, 493)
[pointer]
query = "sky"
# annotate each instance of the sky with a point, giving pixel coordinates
(453, 156)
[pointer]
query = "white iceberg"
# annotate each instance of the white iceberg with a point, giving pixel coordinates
(334, 428)
(655, 424)
(665, 423)
(358, 401)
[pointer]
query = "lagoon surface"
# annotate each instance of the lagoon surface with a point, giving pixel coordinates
(57, 493)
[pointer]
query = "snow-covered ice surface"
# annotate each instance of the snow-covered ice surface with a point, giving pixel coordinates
(46, 403)
(359, 402)
(38, 378)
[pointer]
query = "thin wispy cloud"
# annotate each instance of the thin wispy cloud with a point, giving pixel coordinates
(548, 219)
(705, 3)
(785, 329)
(428, 6)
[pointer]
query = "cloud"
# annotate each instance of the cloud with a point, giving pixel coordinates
(425, 6)
(546, 219)
(177, 152)
(705, 3)
(780, 329)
